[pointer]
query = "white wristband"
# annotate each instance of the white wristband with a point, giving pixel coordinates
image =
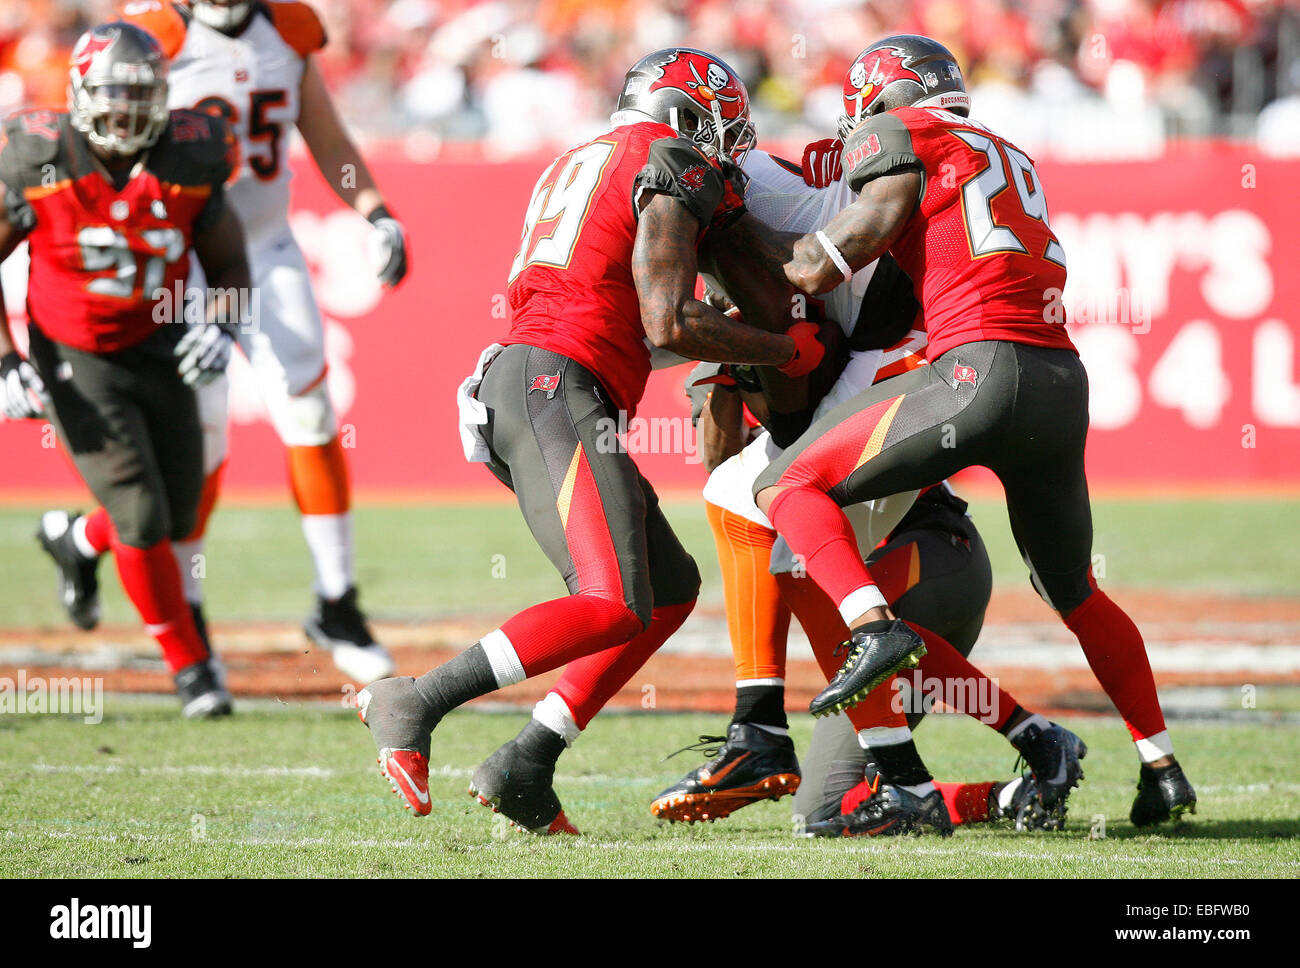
(835, 255)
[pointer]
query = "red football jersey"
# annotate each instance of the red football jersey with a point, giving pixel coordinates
(103, 259)
(979, 249)
(571, 289)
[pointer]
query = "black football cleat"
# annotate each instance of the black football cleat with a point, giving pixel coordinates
(201, 691)
(1023, 807)
(875, 654)
(341, 627)
(516, 781)
(1053, 756)
(1163, 794)
(749, 764)
(890, 811)
(78, 581)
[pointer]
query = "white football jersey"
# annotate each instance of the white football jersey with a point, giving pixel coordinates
(254, 80)
(779, 198)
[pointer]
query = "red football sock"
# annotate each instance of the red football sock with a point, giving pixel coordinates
(589, 682)
(99, 530)
(1118, 658)
(961, 679)
(817, 529)
(966, 802)
(152, 580)
(554, 633)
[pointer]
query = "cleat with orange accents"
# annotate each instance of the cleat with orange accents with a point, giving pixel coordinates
(517, 779)
(748, 765)
(400, 723)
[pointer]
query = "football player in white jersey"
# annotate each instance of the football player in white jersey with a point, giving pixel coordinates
(756, 760)
(251, 63)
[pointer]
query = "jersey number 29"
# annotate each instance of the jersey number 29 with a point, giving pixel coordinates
(987, 237)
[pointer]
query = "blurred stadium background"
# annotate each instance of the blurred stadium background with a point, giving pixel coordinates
(1167, 134)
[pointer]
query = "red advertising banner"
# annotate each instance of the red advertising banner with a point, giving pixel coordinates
(1183, 299)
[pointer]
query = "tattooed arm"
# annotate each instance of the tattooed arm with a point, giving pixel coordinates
(664, 266)
(862, 232)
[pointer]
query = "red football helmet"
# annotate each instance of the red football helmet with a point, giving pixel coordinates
(694, 93)
(905, 70)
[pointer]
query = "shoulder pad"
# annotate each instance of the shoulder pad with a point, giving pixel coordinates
(196, 149)
(32, 140)
(297, 24)
(676, 167)
(165, 21)
(878, 146)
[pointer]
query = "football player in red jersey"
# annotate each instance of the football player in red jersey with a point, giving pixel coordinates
(1005, 388)
(110, 197)
(606, 271)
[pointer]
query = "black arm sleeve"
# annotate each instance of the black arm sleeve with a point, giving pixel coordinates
(676, 168)
(879, 146)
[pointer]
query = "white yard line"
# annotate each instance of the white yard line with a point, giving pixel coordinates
(579, 843)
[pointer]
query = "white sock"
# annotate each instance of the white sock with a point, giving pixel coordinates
(883, 736)
(80, 541)
(329, 537)
(1153, 747)
(192, 571)
(554, 713)
(1008, 793)
(1034, 719)
(863, 600)
(502, 657)
(921, 789)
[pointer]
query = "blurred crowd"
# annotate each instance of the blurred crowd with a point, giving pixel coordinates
(1075, 78)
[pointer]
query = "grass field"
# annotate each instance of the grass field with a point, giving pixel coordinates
(294, 792)
(424, 560)
(292, 789)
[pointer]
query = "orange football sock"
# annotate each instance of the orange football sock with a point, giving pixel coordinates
(757, 619)
(319, 478)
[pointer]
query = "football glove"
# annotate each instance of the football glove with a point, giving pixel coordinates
(204, 353)
(703, 380)
(822, 165)
(387, 247)
(21, 388)
(808, 350)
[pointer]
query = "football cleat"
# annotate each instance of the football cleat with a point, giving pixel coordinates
(78, 582)
(873, 657)
(398, 719)
(1164, 793)
(341, 627)
(517, 784)
(202, 692)
(747, 765)
(889, 811)
(1053, 756)
(1017, 800)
